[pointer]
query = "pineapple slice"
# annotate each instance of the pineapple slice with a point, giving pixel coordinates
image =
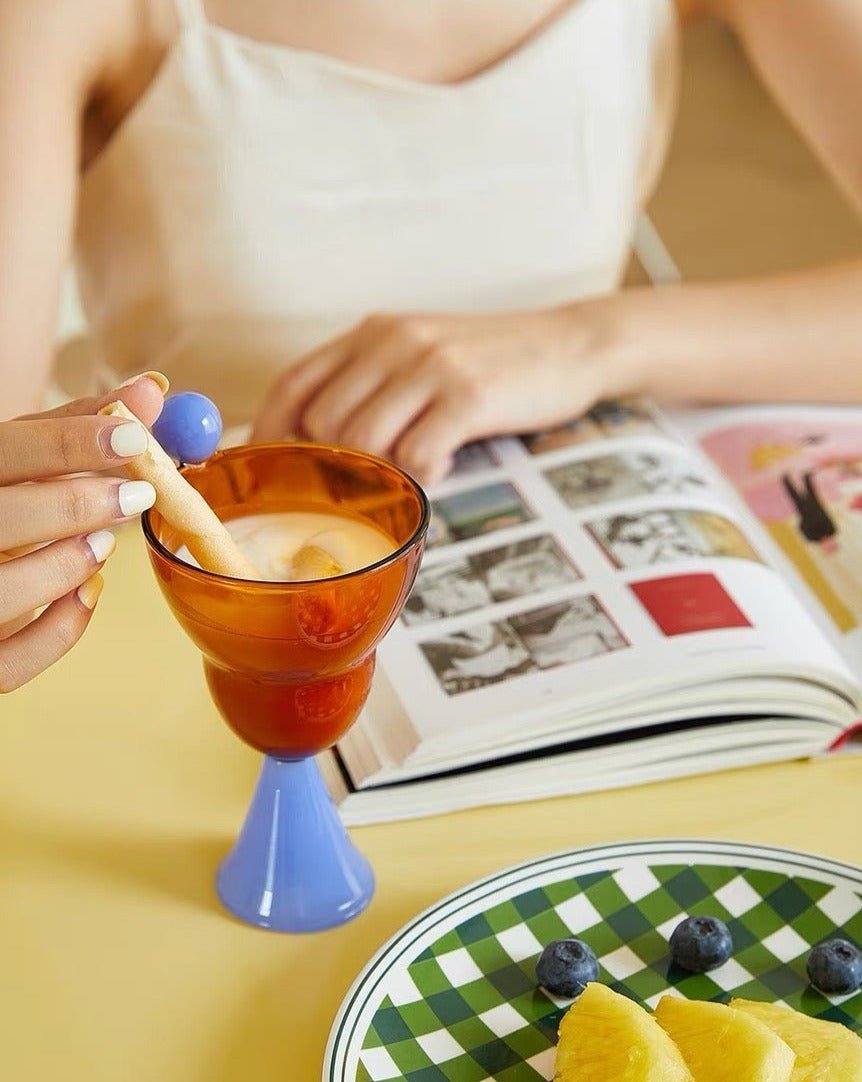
(724, 1045)
(606, 1037)
(825, 1051)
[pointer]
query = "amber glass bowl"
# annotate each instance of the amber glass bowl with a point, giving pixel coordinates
(289, 665)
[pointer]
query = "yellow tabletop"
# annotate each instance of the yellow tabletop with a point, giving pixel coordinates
(121, 789)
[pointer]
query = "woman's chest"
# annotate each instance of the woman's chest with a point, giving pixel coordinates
(435, 42)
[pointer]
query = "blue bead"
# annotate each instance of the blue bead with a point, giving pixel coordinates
(189, 427)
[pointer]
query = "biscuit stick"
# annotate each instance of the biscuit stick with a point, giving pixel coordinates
(184, 508)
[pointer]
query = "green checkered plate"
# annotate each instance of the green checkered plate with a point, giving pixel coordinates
(452, 997)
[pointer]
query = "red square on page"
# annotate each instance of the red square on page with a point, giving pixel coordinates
(682, 604)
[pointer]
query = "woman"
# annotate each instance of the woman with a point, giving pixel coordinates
(53, 535)
(246, 182)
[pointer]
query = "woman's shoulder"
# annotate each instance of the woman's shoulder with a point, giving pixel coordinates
(83, 34)
(101, 54)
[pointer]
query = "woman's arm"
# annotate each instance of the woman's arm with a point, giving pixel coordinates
(417, 387)
(789, 337)
(809, 54)
(52, 55)
(785, 338)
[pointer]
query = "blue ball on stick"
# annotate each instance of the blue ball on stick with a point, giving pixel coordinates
(190, 427)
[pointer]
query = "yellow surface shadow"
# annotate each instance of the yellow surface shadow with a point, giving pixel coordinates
(180, 869)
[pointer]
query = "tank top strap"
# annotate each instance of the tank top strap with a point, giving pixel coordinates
(190, 12)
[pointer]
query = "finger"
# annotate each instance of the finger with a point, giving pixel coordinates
(14, 626)
(379, 422)
(47, 638)
(382, 348)
(30, 514)
(50, 572)
(325, 416)
(427, 449)
(144, 395)
(51, 447)
(280, 414)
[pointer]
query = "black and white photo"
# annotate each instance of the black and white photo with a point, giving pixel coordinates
(621, 476)
(669, 534)
(569, 631)
(477, 657)
(499, 574)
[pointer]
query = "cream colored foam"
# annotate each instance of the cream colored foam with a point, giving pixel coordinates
(294, 545)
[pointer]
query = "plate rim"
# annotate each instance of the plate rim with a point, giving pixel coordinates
(351, 1003)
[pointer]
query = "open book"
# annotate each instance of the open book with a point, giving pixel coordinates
(628, 598)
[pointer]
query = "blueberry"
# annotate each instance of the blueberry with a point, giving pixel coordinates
(565, 967)
(835, 967)
(699, 944)
(189, 427)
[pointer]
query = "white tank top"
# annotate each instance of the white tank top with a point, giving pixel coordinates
(261, 198)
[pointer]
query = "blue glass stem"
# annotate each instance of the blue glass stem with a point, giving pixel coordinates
(294, 867)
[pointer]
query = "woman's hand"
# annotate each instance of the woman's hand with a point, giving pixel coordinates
(53, 534)
(414, 388)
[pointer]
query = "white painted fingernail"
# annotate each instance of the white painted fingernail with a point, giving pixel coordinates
(159, 378)
(129, 440)
(102, 543)
(136, 496)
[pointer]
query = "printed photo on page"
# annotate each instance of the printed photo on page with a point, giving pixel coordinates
(802, 478)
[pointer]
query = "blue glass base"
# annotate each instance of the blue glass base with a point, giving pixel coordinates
(294, 867)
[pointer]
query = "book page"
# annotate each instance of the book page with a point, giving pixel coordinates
(798, 470)
(593, 565)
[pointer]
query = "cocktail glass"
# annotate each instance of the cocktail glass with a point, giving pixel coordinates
(289, 665)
